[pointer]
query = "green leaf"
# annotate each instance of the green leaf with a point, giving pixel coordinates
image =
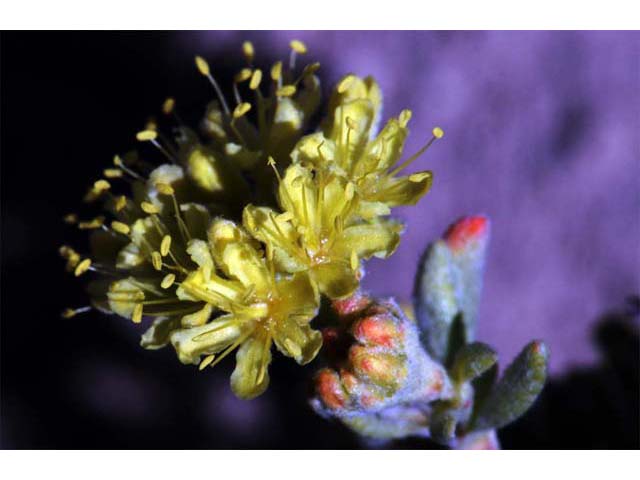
(516, 391)
(457, 339)
(443, 425)
(471, 361)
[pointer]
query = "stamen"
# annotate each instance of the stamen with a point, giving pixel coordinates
(206, 361)
(353, 261)
(136, 317)
(117, 161)
(82, 267)
(419, 177)
(297, 48)
(120, 227)
(72, 312)
(203, 68)
(168, 280)
(151, 136)
(241, 110)
(437, 134)
(272, 163)
(92, 224)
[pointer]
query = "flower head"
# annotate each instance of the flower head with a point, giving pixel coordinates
(348, 143)
(262, 307)
(317, 231)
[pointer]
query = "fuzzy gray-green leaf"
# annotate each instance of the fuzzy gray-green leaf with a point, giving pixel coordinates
(435, 299)
(516, 391)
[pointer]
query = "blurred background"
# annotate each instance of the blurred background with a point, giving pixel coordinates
(541, 134)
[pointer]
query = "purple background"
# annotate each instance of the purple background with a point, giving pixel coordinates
(541, 134)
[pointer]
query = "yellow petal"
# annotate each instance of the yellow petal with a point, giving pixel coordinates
(197, 318)
(279, 235)
(396, 191)
(385, 151)
(250, 378)
(299, 296)
(379, 238)
(336, 279)
(191, 343)
(299, 342)
(201, 256)
(123, 296)
(157, 335)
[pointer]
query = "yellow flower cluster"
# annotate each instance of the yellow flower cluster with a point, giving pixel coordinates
(231, 245)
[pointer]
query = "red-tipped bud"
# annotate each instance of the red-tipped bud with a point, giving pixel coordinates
(330, 389)
(465, 231)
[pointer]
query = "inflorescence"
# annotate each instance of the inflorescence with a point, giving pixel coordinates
(230, 244)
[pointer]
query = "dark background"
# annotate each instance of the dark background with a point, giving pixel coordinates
(69, 102)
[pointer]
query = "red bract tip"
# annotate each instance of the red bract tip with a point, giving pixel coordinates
(329, 389)
(466, 230)
(355, 303)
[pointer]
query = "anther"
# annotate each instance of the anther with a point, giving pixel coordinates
(165, 188)
(286, 91)
(248, 51)
(243, 75)
(168, 106)
(156, 260)
(165, 245)
(149, 208)
(241, 109)
(101, 185)
(82, 267)
(112, 172)
(276, 71)
(92, 224)
(70, 218)
(120, 227)
(437, 132)
(168, 280)
(298, 47)
(146, 135)
(120, 203)
(256, 78)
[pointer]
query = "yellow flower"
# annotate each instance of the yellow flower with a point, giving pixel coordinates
(346, 145)
(315, 233)
(263, 307)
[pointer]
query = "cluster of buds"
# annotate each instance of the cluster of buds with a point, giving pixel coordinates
(390, 375)
(230, 242)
